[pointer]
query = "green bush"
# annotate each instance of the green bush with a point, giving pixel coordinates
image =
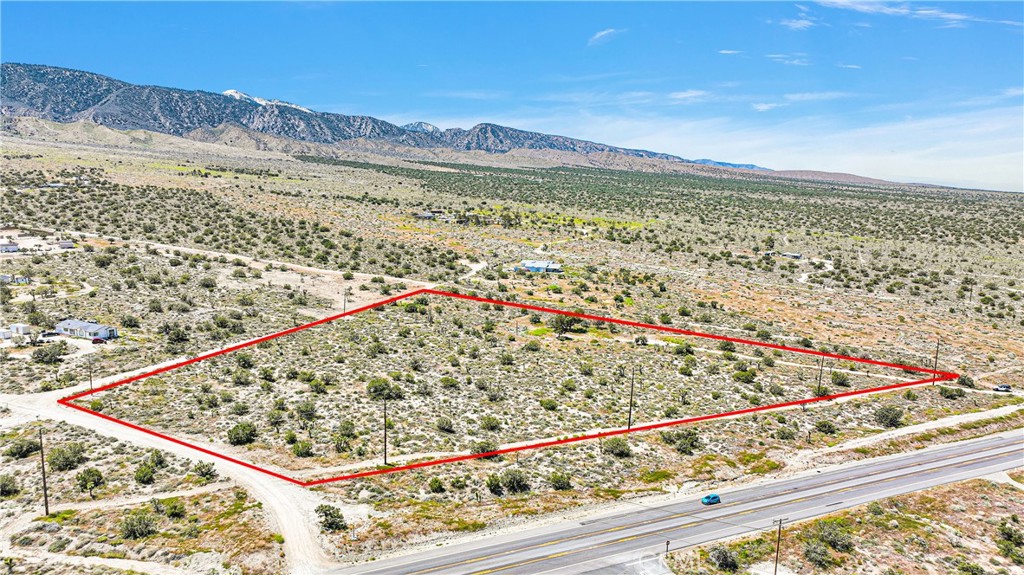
(445, 425)
(951, 392)
(826, 427)
(435, 485)
(549, 404)
(889, 416)
(20, 448)
(331, 518)
(617, 446)
(723, 558)
(145, 474)
(560, 481)
(515, 481)
(242, 433)
(302, 449)
(89, 480)
(8, 485)
(66, 457)
(138, 524)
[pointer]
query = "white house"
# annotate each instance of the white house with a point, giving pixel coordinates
(88, 329)
(21, 329)
(540, 266)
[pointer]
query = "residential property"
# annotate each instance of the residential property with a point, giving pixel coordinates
(8, 247)
(21, 329)
(540, 266)
(88, 329)
(65, 244)
(792, 255)
(424, 216)
(6, 333)
(16, 280)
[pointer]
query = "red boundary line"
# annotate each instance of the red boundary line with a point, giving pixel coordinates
(939, 376)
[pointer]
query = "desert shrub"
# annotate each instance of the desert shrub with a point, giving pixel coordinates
(302, 449)
(435, 485)
(242, 433)
(485, 446)
(515, 481)
(727, 346)
(8, 485)
(826, 427)
(841, 379)
(145, 474)
(493, 483)
(723, 558)
(817, 553)
(130, 321)
(560, 481)
(835, 533)
(380, 389)
(951, 392)
(50, 354)
(174, 508)
(785, 433)
(205, 470)
(445, 424)
(549, 404)
(89, 479)
(20, 448)
(617, 446)
(490, 423)
(532, 345)
(66, 457)
(138, 524)
(331, 518)
(686, 441)
(889, 416)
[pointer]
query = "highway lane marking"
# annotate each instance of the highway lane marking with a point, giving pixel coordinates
(777, 493)
(677, 527)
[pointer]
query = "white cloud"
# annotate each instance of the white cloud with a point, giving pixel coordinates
(603, 36)
(949, 19)
(764, 107)
(816, 96)
(798, 24)
(688, 95)
(1013, 92)
(850, 66)
(730, 52)
(795, 59)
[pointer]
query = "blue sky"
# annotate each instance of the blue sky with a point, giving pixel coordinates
(906, 91)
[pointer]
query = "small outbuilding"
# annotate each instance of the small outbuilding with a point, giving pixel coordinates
(6, 333)
(792, 255)
(21, 329)
(8, 247)
(65, 244)
(87, 329)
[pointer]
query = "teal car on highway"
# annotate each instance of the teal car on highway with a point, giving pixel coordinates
(711, 499)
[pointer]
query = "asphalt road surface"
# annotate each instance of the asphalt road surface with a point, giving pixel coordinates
(631, 542)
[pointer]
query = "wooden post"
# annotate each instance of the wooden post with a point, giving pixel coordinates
(778, 543)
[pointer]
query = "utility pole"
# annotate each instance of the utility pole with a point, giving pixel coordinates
(778, 542)
(42, 466)
(385, 429)
(821, 369)
(91, 361)
(632, 382)
(935, 364)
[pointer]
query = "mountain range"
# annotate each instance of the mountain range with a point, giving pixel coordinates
(65, 95)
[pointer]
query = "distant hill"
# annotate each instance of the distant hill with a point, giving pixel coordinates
(64, 95)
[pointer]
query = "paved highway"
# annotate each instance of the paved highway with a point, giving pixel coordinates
(630, 542)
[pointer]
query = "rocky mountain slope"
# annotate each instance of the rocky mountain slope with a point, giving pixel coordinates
(65, 95)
